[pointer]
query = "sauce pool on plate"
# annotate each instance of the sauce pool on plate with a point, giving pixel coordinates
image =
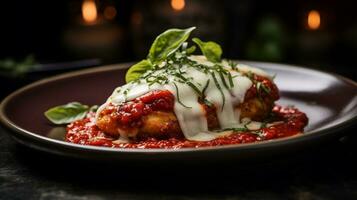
(287, 121)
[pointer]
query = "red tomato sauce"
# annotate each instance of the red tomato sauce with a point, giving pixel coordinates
(130, 114)
(289, 121)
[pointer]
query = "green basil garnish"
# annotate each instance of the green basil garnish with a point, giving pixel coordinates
(167, 43)
(67, 113)
(164, 45)
(211, 50)
(137, 70)
(190, 50)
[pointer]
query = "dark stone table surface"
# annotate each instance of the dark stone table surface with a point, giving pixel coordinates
(326, 171)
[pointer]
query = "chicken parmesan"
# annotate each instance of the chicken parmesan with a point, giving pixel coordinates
(176, 98)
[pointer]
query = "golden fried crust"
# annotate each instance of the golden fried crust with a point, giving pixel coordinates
(164, 125)
(107, 124)
(256, 109)
(160, 125)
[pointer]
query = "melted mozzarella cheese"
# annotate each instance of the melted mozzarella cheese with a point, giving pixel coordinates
(189, 113)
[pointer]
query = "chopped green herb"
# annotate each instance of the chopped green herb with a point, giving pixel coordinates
(223, 79)
(208, 103)
(230, 78)
(219, 88)
(178, 97)
(233, 65)
(194, 87)
(205, 88)
(265, 88)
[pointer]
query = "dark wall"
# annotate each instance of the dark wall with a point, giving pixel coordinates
(257, 30)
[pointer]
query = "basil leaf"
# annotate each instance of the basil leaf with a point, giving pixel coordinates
(211, 50)
(67, 113)
(137, 70)
(93, 108)
(167, 43)
(190, 50)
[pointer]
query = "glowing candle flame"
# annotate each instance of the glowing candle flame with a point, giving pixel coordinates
(313, 20)
(178, 5)
(89, 11)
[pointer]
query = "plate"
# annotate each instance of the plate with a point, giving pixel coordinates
(330, 102)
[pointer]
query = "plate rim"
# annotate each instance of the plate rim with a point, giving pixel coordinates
(310, 135)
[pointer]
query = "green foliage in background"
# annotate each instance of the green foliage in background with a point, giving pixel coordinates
(268, 42)
(10, 67)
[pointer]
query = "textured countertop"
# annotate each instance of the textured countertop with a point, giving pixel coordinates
(327, 171)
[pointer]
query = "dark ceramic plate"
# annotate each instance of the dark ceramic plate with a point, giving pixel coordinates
(330, 102)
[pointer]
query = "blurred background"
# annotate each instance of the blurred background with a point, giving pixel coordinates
(43, 38)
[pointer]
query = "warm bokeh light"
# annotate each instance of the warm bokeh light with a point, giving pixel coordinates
(89, 11)
(313, 20)
(178, 4)
(136, 18)
(110, 12)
